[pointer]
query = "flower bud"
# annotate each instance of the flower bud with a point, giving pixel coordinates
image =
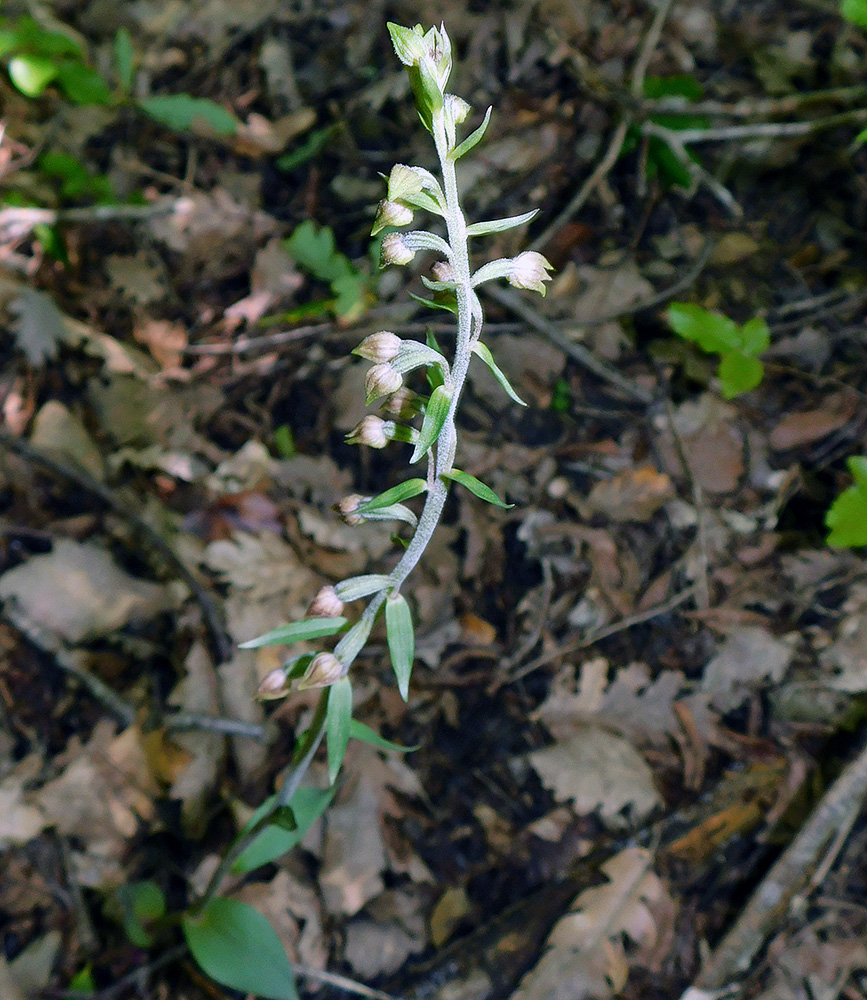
(379, 347)
(380, 381)
(391, 213)
(326, 604)
(442, 271)
(347, 507)
(323, 671)
(403, 404)
(372, 431)
(395, 250)
(458, 108)
(529, 271)
(274, 685)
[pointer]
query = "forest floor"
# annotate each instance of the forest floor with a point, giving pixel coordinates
(632, 690)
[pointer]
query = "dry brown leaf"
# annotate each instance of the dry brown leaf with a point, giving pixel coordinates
(57, 431)
(586, 956)
(165, 340)
(748, 659)
(797, 429)
(631, 495)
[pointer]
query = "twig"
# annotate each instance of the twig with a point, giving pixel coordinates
(180, 721)
(15, 223)
(757, 130)
(786, 880)
(83, 924)
(754, 108)
(135, 978)
(342, 983)
(221, 645)
(577, 352)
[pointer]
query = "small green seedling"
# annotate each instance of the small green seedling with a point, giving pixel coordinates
(740, 368)
(847, 516)
(314, 249)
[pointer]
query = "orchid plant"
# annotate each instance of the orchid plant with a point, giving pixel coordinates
(428, 59)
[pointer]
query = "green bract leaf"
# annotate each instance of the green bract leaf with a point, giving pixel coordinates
(357, 587)
(403, 491)
(307, 805)
(401, 640)
(448, 304)
(847, 516)
(236, 946)
(408, 42)
(393, 512)
(484, 353)
(471, 140)
(353, 642)
(358, 731)
(307, 628)
(477, 487)
(500, 225)
(436, 411)
(414, 355)
(32, 74)
(337, 724)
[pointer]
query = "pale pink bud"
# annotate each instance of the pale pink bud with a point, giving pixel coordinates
(380, 381)
(379, 347)
(458, 107)
(395, 250)
(347, 507)
(391, 213)
(323, 671)
(274, 685)
(326, 604)
(372, 431)
(442, 271)
(529, 270)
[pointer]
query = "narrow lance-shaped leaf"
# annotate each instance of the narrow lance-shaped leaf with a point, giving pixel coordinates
(353, 642)
(436, 412)
(357, 587)
(224, 936)
(274, 840)
(394, 512)
(471, 139)
(403, 491)
(500, 225)
(484, 353)
(401, 640)
(307, 628)
(477, 487)
(359, 731)
(337, 724)
(847, 516)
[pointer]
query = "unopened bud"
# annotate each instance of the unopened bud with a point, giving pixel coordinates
(391, 213)
(458, 108)
(379, 347)
(323, 671)
(326, 604)
(529, 270)
(442, 271)
(380, 381)
(274, 685)
(347, 507)
(403, 404)
(395, 250)
(372, 431)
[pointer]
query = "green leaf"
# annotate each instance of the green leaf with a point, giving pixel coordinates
(393, 512)
(755, 336)
(401, 640)
(141, 903)
(307, 805)
(313, 248)
(124, 58)
(483, 352)
(679, 85)
(337, 724)
(739, 373)
(32, 74)
(855, 11)
(182, 112)
(710, 330)
(477, 487)
(474, 137)
(403, 491)
(307, 628)
(846, 519)
(436, 411)
(82, 84)
(500, 225)
(236, 946)
(359, 731)
(315, 142)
